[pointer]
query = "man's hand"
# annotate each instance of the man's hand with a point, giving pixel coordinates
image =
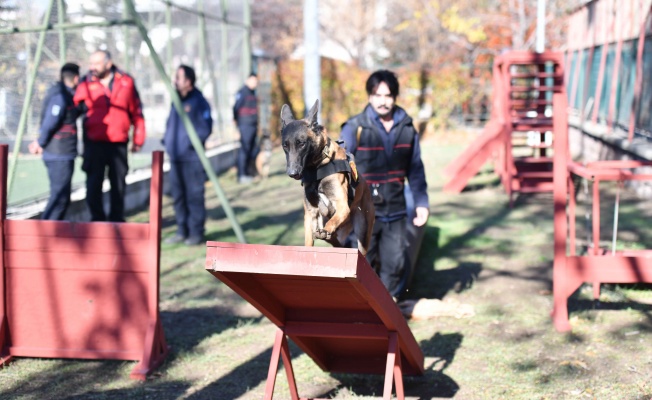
(421, 217)
(35, 148)
(135, 148)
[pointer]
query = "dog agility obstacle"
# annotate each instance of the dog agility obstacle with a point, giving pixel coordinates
(521, 129)
(329, 302)
(600, 265)
(82, 290)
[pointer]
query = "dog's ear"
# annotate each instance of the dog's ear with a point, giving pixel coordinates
(286, 115)
(312, 114)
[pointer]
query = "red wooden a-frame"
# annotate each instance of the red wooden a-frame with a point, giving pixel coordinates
(329, 302)
(82, 290)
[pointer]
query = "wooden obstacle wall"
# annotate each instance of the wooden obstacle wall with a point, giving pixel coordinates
(82, 290)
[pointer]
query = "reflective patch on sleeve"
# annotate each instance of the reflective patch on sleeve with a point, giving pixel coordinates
(56, 109)
(207, 114)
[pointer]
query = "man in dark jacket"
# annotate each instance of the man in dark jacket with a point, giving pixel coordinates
(386, 148)
(245, 115)
(111, 103)
(57, 140)
(187, 176)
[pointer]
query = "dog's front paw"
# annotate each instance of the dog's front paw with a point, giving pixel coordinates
(322, 234)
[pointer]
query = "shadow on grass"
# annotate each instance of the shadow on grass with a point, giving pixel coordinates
(578, 305)
(240, 380)
(184, 330)
(290, 221)
(429, 283)
(489, 182)
(56, 383)
(434, 383)
(158, 391)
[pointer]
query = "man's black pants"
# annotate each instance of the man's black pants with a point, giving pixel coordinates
(60, 174)
(387, 254)
(246, 153)
(187, 185)
(97, 157)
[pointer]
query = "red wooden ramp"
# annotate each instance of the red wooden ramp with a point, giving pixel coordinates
(82, 290)
(329, 302)
(468, 164)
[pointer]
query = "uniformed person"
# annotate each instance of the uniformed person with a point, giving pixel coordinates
(187, 175)
(57, 140)
(245, 115)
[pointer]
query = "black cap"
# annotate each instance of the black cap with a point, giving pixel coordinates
(70, 67)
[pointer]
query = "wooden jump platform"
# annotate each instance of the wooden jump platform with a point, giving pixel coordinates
(326, 300)
(82, 290)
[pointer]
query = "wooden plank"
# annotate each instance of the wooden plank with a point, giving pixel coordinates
(87, 354)
(76, 309)
(281, 260)
(77, 261)
(339, 330)
(83, 230)
(329, 300)
(610, 269)
(43, 244)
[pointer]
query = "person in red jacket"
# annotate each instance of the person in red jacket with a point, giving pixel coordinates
(110, 101)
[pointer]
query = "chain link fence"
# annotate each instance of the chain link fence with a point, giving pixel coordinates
(209, 35)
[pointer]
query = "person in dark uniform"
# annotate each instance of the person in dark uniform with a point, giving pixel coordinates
(245, 115)
(57, 140)
(187, 175)
(387, 152)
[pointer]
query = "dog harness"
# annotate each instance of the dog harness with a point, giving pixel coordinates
(347, 166)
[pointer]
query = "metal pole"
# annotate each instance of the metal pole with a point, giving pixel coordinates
(168, 24)
(246, 40)
(541, 26)
(62, 33)
(311, 68)
(192, 133)
(201, 28)
(125, 35)
(615, 230)
(639, 75)
(28, 99)
(224, 65)
(207, 62)
(68, 26)
(603, 62)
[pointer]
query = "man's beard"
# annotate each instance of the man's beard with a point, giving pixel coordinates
(383, 111)
(99, 75)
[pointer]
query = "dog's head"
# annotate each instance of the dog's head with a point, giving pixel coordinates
(303, 140)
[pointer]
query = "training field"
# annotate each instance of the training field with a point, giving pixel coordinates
(476, 251)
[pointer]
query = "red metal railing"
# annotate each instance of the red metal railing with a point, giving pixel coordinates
(599, 265)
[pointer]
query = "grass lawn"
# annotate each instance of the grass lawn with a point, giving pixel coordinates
(476, 250)
(31, 177)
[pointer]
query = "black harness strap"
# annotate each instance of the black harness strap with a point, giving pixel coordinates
(310, 175)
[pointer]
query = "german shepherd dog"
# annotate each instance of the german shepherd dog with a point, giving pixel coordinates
(336, 199)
